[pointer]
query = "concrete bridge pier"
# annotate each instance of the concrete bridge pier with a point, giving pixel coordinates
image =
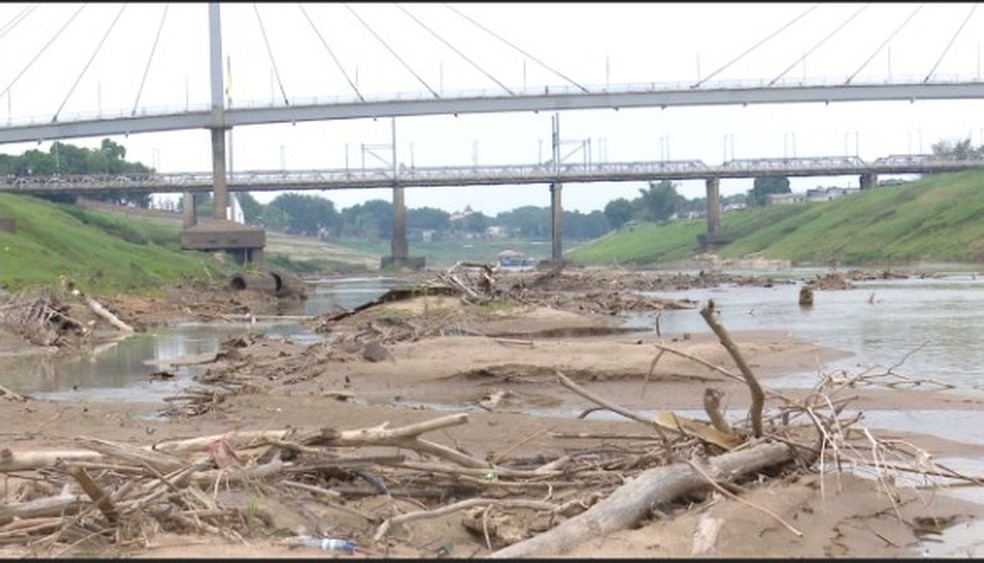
(868, 181)
(556, 214)
(713, 237)
(220, 184)
(190, 214)
(399, 249)
(712, 187)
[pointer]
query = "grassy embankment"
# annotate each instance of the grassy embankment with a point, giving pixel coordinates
(935, 219)
(99, 252)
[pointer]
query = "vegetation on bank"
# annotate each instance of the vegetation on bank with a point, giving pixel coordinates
(936, 218)
(100, 252)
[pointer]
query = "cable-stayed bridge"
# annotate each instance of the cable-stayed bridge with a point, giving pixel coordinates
(219, 117)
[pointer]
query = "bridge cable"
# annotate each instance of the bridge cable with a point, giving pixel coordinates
(332, 53)
(950, 44)
(92, 58)
(390, 49)
(536, 60)
(270, 54)
(885, 42)
(755, 46)
(9, 26)
(150, 59)
(46, 45)
(452, 47)
(820, 43)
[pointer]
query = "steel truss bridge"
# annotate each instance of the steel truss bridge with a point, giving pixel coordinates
(486, 175)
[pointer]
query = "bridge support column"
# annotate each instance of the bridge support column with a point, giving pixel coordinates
(556, 214)
(190, 214)
(869, 181)
(219, 180)
(713, 188)
(398, 245)
(713, 237)
(399, 249)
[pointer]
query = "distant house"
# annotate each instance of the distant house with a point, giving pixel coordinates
(775, 199)
(827, 194)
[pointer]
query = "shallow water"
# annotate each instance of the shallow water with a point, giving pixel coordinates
(930, 326)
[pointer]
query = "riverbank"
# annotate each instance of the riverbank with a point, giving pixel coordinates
(494, 359)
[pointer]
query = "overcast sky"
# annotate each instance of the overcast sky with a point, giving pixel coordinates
(592, 45)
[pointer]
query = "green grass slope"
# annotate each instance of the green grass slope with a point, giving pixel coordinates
(938, 218)
(100, 252)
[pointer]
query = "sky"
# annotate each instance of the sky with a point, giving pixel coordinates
(94, 66)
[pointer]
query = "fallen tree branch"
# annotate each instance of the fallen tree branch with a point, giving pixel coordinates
(758, 396)
(98, 309)
(630, 503)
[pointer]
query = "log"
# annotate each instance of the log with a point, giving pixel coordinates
(4, 392)
(133, 454)
(42, 507)
(377, 434)
(19, 461)
(98, 309)
(632, 502)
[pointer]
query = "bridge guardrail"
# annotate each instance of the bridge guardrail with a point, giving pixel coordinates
(490, 174)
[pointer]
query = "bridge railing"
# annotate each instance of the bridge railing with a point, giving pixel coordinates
(493, 174)
(556, 89)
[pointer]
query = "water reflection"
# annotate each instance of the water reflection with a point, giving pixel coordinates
(347, 293)
(932, 326)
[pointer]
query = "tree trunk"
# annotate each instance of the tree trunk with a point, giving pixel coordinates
(632, 502)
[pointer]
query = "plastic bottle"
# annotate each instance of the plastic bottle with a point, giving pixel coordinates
(328, 544)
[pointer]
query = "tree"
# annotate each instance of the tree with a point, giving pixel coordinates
(660, 201)
(766, 185)
(372, 219)
(579, 226)
(428, 218)
(957, 150)
(476, 222)
(619, 212)
(529, 221)
(252, 209)
(306, 214)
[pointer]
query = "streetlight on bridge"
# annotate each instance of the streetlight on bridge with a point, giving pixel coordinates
(789, 140)
(919, 131)
(847, 150)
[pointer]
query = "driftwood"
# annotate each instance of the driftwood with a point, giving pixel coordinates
(51, 506)
(632, 502)
(98, 309)
(18, 461)
(8, 394)
(155, 456)
(758, 396)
